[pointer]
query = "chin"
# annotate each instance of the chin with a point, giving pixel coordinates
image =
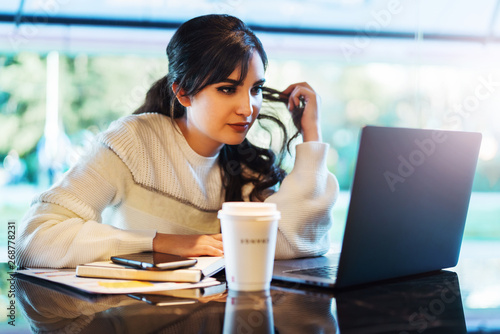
(235, 141)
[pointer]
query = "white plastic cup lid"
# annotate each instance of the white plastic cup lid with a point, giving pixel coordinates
(252, 209)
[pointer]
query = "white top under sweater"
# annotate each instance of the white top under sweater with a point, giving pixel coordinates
(142, 177)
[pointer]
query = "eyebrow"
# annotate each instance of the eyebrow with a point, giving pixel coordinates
(237, 83)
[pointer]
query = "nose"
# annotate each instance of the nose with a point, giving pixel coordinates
(245, 107)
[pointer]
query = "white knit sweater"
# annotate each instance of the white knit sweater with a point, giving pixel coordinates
(142, 177)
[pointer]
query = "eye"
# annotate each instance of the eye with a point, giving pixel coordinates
(257, 89)
(228, 90)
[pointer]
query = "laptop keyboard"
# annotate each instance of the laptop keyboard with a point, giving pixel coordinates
(324, 272)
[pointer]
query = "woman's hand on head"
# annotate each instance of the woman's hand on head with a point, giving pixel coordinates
(309, 122)
(189, 245)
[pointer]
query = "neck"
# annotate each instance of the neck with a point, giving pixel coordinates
(198, 143)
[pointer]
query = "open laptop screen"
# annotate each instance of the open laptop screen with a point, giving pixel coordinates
(409, 202)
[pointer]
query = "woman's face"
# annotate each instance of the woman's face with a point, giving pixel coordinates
(222, 113)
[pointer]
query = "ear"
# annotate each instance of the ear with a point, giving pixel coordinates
(183, 99)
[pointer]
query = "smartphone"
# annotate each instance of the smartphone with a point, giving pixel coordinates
(154, 260)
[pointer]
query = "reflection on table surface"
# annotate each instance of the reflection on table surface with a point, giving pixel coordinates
(430, 304)
(52, 308)
(425, 304)
(464, 299)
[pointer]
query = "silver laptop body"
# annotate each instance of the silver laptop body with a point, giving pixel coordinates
(409, 202)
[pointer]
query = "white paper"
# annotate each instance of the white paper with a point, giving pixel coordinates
(110, 286)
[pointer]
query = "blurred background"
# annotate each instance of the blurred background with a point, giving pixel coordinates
(68, 68)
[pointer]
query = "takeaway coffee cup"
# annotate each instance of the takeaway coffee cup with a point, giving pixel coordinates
(249, 232)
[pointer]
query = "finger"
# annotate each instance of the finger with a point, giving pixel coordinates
(213, 251)
(215, 241)
(297, 91)
(290, 88)
(295, 97)
(217, 236)
(218, 245)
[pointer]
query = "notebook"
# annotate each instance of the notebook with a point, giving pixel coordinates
(407, 212)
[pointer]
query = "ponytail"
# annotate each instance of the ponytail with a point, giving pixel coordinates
(160, 99)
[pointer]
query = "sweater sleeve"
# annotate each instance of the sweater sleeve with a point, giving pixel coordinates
(63, 226)
(305, 199)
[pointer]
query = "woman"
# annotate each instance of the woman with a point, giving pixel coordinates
(156, 179)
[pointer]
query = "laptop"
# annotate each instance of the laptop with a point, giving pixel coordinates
(407, 212)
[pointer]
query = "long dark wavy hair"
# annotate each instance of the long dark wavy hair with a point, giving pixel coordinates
(204, 51)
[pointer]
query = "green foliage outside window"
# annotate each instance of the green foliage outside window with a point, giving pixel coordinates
(95, 90)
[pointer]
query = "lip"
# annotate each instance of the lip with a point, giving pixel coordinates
(239, 127)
